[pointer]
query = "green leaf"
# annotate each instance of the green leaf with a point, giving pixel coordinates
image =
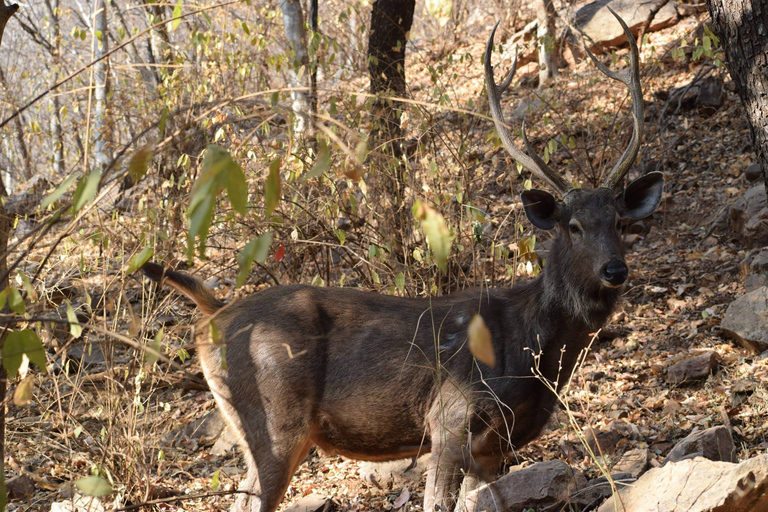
(322, 162)
(176, 15)
(237, 188)
(258, 250)
(94, 486)
(56, 194)
(4, 297)
(215, 480)
(272, 188)
(161, 124)
(152, 356)
(436, 230)
(22, 342)
(16, 302)
(75, 329)
(400, 281)
(139, 162)
(86, 190)
(139, 260)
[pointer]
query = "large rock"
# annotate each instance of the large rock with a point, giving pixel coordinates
(746, 320)
(714, 443)
(746, 218)
(697, 485)
(634, 462)
(599, 25)
(542, 485)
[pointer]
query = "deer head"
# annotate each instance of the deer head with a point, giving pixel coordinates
(588, 220)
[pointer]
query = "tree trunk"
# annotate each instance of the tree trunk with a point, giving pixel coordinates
(742, 26)
(293, 20)
(6, 11)
(391, 21)
(545, 35)
(100, 73)
(56, 132)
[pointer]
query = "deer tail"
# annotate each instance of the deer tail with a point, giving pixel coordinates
(185, 284)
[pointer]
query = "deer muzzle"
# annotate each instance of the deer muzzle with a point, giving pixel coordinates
(614, 273)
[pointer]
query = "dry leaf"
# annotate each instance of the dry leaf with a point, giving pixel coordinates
(480, 344)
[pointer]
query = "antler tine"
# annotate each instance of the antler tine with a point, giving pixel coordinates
(535, 165)
(631, 78)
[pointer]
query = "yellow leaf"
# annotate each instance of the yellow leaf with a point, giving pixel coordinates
(23, 393)
(480, 344)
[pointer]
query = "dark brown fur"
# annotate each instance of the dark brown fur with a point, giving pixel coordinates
(377, 377)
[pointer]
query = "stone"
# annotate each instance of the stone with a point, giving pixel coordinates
(746, 320)
(602, 442)
(746, 218)
(599, 489)
(697, 485)
(20, 487)
(714, 443)
(311, 503)
(599, 25)
(78, 503)
(710, 96)
(760, 262)
(544, 485)
(394, 474)
(753, 172)
(692, 369)
(755, 281)
(634, 462)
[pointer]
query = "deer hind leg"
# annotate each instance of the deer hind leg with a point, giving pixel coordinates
(272, 461)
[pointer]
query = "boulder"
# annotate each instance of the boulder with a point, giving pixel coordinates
(697, 485)
(599, 25)
(633, 462)
(542, 485)
(746, 320)
(714, 443)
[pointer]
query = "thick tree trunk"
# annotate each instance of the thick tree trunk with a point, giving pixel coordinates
(390, 22)
(293, 20)
(545, 35)
(742, 26)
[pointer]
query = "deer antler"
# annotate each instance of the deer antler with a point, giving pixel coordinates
(631, 78)
(533, 163)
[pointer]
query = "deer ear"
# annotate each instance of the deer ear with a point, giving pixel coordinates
(541, 208)
(641, 197)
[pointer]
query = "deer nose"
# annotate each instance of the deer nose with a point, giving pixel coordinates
(615, 272)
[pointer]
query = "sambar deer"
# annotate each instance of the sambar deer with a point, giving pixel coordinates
(376, 377)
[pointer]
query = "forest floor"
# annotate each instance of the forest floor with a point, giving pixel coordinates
(682, 279)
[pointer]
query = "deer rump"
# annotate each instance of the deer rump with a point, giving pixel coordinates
(375, 377)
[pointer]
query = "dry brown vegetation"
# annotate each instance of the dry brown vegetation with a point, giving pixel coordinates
(104, 408)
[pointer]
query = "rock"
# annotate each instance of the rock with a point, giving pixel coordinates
(227, 440)
(602, 442)
(692, 369)
(542, 485)
(746, 320)
(78, 503)
(755, 281)
(745, 218)
(599, 25)
(311, 503)
(697, 485)
(20, 487)
(710, 96)
(634, 462)
(753, 172)
(599, 489)
(205, 429)
(713, 443)
(394, 474)
(760, 262)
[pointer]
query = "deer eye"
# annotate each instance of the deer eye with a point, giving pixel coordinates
(574, 227)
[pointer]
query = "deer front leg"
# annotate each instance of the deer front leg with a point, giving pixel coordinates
(448, 426)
